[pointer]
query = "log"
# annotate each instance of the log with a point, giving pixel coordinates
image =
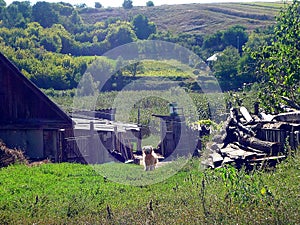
(246, 114)
(292, 117)
(266, 146)
(291, 103)
(269, 158)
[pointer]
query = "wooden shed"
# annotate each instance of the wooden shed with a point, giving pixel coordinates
(97, 140)
(177, 138)
(29, 120)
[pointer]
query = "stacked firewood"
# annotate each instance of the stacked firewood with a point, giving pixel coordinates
(10, 156)
(241, 142)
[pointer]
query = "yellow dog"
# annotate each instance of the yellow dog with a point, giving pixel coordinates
(149, 158)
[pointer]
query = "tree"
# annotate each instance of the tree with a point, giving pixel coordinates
(127, 4)
(64, 9)
(76, 18)
(2, 3)
(149, 4)
(18, 14)
(226, 68)
(213, 42)
(98, 5)
(24, 8)
(246, 66)
(235, 36)
(119, 34)
(44, 14)
(51, 42)
(81, 6)
(278, 63)
(142, 27)
(87, 86)
(134, 67)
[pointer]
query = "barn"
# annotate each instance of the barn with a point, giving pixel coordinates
(29, 120)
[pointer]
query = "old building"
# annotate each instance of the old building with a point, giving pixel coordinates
(29, 120)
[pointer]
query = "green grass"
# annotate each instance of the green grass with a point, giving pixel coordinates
(78, 194)
(166, 68)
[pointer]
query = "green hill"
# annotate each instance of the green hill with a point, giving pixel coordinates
(194, 18)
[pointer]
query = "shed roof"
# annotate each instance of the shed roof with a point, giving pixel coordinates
(214, 57)
(13, 75)
(103, 125)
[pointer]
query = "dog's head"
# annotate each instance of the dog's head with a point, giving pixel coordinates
(147, 149)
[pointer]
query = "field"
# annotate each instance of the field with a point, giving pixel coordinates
(195, 18)
(84, 194)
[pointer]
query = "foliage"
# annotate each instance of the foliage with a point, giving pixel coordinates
(50, 70)
(46, 28)
(142, 27)
(98, 5)
(278, 61)
(2, 3)
(235, 36)
(127, 4)
(134, 68)
(225, 69)
(150, 4)
(44, 14)
(87, 85)
(120, 33)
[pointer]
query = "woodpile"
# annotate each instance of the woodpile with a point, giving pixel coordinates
(10, 156)
(252, 140)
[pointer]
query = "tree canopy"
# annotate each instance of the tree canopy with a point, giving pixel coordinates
(52, 45)
(142, 27)
(278, 62)
(149, 3)
(127, 4)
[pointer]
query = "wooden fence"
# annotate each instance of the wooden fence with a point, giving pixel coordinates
(281, 136)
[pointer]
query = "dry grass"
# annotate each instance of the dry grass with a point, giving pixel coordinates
(196, 18)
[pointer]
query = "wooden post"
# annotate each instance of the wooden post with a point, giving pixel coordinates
(256, 108)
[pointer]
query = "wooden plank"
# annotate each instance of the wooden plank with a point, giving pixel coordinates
(256, 143)
(288, 117)
(268, 158)
(246, 114)
(227, 160)
(216, 157)
(266, 117)
(240, 154)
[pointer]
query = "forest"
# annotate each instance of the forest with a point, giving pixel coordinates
(53, 46)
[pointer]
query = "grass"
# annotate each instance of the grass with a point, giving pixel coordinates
(166, 68)
(79, 194)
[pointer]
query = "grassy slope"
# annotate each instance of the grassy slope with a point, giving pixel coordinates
(197, 18)
(76, 194)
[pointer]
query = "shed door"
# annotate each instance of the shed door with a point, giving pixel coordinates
(34, 143)
(50, 144)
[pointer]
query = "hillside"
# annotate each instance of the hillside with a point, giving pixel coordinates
(195, 18)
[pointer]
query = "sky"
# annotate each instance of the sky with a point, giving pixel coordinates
(118, 3)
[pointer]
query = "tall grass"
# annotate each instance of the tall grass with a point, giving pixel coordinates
(79, 194)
